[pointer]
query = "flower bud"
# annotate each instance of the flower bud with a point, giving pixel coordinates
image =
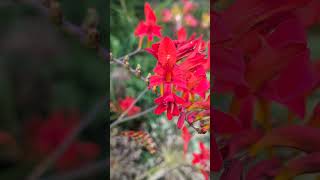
(126, 61)
(148, 77)
(138, 70)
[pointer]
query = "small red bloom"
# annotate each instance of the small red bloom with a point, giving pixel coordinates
(188, 6)
(148, 27)
(166, 15)
(126, 103)
(202, 159)
(190, 20)
(168, 102)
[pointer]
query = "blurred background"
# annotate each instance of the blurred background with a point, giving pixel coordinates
(128, 160)
(49, 81)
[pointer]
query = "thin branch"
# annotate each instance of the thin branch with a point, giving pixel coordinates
(120, 61)
(131, 54)
(132, 117)
(86, 171)
(41, 168)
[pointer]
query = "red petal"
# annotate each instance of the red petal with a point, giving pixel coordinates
(140, 29)
(182, 34)
(167, 52)
(148, 12)
(181, 119)
(160, 109)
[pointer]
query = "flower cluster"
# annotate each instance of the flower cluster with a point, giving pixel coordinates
(180, 74)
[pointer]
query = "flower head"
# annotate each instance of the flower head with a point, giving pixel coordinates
(168, 102)
(148, 27)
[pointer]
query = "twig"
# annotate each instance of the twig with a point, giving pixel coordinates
(138, 50)
(52, 158)
(81, 173)
(199, 131)
(132, 117)
(120, 62)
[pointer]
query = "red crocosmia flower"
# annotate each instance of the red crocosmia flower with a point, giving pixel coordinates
(166, 15)
(125, 104)
(167, 71)
(168, 102)
(148, 27)
(186, 136)
(190, 20)
(202, 159)
(43, 137)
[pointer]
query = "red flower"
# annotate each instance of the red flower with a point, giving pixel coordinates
(148, 27)
(43, 137)
(167, 71)
(186, 136)
(188, 6)
(166, 15)
(190, 20)
(126, 103)
(168, 102)
(202, 159)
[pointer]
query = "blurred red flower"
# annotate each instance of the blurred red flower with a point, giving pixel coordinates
(202, 159)
(43, 136)
(126, 103)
